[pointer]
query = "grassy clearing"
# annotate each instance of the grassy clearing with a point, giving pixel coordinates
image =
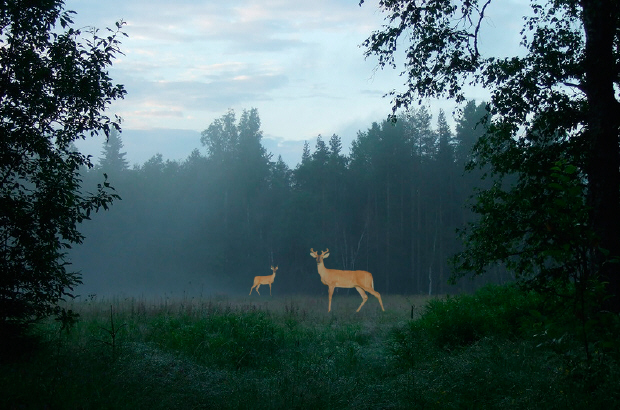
(289, 353)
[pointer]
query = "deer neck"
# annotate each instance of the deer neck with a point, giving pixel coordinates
(323, 272)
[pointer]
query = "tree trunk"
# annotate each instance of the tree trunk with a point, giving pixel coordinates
(603, 121)
(387, 235)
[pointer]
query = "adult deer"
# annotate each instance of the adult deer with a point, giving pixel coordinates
(358, 279)
(264, 280)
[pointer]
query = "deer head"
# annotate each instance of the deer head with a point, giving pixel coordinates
(319, 256)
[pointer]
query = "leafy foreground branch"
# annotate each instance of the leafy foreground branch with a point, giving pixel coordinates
(498, 348)
(554, 106)
(54, 91)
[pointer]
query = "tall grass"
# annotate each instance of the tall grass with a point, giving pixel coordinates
(289, 353)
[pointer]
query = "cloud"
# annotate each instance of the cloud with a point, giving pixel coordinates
(163, 100)
(297, 61)
(289, 150)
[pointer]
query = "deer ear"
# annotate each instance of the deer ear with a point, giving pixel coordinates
(313, 254)
(325, 255)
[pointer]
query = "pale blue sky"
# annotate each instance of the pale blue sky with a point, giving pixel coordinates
(298, 62)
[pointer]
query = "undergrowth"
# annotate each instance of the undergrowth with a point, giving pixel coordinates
(499, 348)
(488, 350)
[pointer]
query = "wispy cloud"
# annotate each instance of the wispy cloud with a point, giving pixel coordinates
(297, 61)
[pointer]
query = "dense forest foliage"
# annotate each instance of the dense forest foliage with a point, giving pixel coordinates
(212, 222)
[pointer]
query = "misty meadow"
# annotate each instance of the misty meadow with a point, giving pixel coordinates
(485, 351)
(165, 319)
(489, 248)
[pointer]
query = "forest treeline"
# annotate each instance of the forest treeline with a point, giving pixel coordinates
(212, 222)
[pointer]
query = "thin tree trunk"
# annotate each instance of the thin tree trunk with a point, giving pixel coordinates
(430, 265)
(387, 237)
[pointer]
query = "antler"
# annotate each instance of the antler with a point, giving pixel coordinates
(325, 251)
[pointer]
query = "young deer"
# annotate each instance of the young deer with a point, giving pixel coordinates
(358, 279)
(264, 280)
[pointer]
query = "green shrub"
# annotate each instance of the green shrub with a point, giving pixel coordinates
(240, 339)
(455, 322)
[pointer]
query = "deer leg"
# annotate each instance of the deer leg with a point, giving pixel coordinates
(331, 292)
(270, 289)
(257, 286)
(377, 295)
(363, 295)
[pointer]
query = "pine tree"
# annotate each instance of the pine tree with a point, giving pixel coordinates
(113, 161)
